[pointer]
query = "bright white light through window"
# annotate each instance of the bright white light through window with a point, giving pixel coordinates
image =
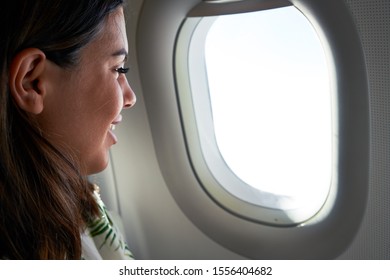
(270, 98)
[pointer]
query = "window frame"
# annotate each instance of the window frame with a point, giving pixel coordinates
(217, 179)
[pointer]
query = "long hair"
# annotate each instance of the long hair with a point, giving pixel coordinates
(45, 201)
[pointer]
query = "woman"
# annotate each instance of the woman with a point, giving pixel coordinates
(63, 86)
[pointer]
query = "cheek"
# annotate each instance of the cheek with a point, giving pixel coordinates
(103, 109)
(94, 105)
(108, 105)
(102, 97)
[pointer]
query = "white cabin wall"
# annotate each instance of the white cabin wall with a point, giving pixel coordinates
(373, 22)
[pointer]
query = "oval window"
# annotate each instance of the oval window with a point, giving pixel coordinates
(271, 108)
(256, 108)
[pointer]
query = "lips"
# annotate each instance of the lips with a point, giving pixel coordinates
(112, 127)
(115, 122)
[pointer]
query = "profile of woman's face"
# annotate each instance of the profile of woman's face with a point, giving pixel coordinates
(83, 103)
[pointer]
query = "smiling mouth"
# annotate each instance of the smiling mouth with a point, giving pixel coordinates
(115, 122)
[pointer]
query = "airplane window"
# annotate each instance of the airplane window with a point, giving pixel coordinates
(269, 93)
(263, 114)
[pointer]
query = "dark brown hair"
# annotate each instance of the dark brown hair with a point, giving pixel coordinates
(45, 201)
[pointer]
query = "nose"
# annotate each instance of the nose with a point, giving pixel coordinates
(129, 98)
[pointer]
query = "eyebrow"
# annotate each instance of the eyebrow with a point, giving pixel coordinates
(120, 53)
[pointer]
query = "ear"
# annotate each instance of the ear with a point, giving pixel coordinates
(25, 80)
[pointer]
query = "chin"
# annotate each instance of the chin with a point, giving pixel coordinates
(98, 165)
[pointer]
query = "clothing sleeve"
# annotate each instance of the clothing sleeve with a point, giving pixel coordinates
(107, 240)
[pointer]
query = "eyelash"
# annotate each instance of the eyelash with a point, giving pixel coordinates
(122, 70)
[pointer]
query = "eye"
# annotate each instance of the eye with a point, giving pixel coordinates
(122, 70)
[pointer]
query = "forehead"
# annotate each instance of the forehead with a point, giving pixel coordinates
(111, 38)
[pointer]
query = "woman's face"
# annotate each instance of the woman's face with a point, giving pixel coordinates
(83, 104)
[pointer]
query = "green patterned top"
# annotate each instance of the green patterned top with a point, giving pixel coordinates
(102, 238)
